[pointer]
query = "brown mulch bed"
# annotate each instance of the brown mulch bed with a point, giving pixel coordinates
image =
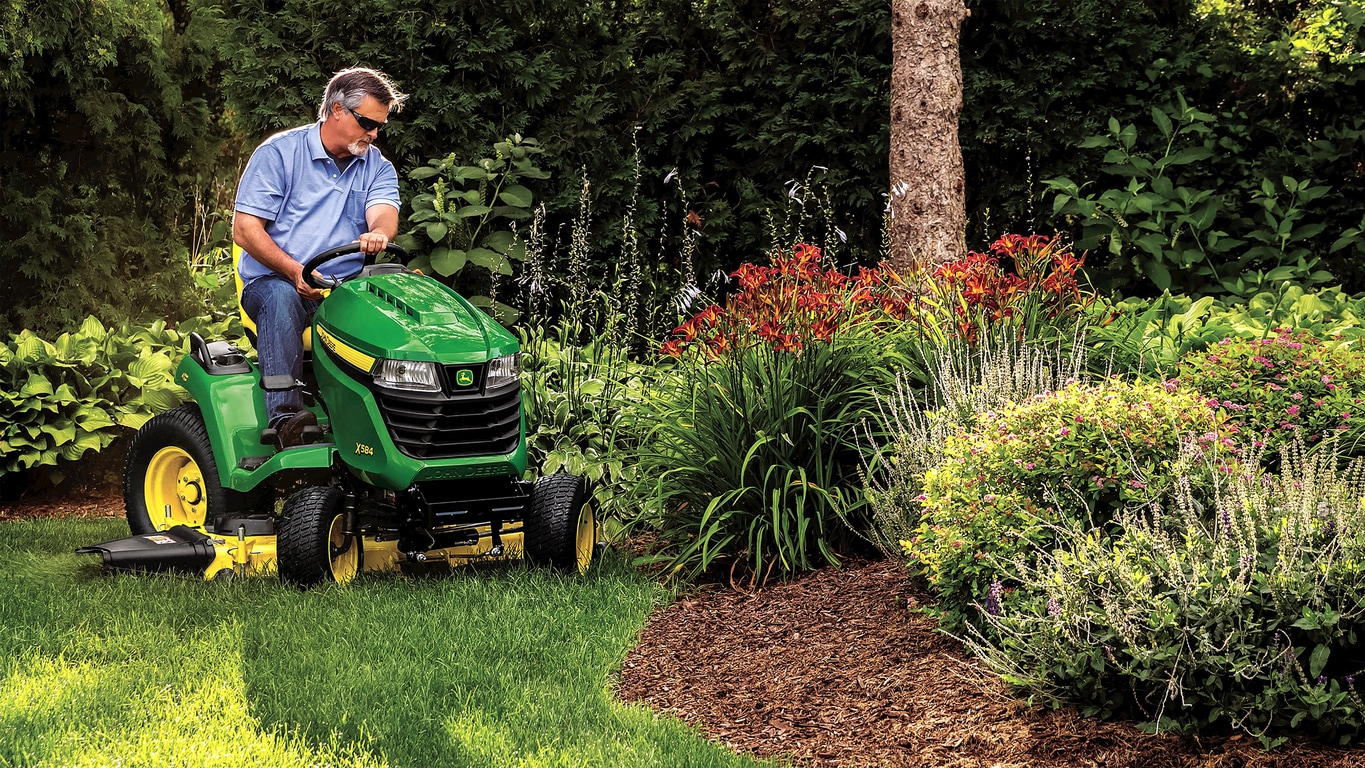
(92, 503)
(834, 670)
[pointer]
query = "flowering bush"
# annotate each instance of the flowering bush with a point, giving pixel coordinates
(1275, 388)
(1027, 280)
(792, 304)
(750, 440)
(1247, 617)
(1076, 454)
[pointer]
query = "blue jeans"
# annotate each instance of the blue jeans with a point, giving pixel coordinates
(280, 314)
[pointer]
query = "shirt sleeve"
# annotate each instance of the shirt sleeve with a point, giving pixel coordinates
(261, 190)
(384, 189)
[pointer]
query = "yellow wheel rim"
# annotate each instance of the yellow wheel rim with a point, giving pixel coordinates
(585, 538)
(344, 560)
(175, 490)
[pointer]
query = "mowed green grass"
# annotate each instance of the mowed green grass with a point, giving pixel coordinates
(507, 666)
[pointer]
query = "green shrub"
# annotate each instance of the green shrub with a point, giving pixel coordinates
(1273, 389)
(1181, 228)
(60, 399)
(1151, 336)
(576, 398)
(469, 215)
(1249, 616)
(112, 133)
(1079, 454)
(783, 88)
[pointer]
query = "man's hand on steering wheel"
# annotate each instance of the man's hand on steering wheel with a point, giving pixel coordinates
(371, 243)
(308, 292)
(316, 281)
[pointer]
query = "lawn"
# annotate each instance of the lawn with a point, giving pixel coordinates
(497, 667)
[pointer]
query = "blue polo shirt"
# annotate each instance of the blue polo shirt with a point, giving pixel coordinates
(310, 204)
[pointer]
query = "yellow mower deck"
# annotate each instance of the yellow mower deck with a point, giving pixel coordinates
(255, 555)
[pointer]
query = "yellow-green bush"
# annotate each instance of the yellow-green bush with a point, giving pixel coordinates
(1080, 454)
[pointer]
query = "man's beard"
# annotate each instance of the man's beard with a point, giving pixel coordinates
(358, 147)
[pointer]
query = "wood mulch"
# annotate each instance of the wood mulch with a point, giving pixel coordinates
(97, 503)
(833, 669)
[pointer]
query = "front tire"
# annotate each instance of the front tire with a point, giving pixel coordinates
(170, 477)
(312, 546)
(561, 530)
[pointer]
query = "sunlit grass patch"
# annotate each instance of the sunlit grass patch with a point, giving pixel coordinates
(506, 666)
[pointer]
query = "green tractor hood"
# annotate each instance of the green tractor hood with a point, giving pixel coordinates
(405, 316)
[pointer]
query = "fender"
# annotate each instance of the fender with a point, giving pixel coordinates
(235, 421)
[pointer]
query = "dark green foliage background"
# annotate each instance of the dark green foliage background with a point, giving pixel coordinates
(116, 110)
(110, 118)
(740, 97)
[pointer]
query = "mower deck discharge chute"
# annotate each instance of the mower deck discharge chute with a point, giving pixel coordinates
(416, 461)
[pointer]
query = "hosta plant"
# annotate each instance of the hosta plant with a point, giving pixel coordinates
(62, 398)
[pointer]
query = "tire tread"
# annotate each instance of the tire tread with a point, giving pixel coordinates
(302, 546)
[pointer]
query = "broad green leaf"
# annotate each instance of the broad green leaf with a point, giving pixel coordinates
(448, 262)
(90, 418)
(471, 172)
(132, 419)
(1157, 272)
(425, 172)
(29, 348)
(61, 431)
(1162, 120)
(470, 211)
(490, 260)
(86, 442)
(498, 241)
(1318, 659)
(1128, 136)
(437, 231)
(151, 367)
(1186, 156)
(36, 385)
(516, 195)
(160, 399)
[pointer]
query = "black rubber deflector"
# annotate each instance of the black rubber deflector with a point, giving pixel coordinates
(181, 549)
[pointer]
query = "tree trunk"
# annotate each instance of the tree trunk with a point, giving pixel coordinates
(927, 206)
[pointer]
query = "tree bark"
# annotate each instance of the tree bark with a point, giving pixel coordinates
(927, 205)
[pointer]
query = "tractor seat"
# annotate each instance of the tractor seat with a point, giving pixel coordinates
(248, 324)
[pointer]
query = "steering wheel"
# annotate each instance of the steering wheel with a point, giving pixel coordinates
(333, 254)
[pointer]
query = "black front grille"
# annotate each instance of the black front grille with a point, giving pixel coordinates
(437, 426)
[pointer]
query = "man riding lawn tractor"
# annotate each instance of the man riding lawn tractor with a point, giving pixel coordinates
(405, 425)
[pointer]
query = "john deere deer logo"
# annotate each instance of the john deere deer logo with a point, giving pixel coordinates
(464, 377)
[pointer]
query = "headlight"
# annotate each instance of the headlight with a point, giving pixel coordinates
(503, 371)
(409, 375)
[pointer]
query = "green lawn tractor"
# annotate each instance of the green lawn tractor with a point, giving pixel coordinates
(416, 462)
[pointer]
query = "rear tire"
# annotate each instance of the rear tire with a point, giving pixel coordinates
(561, 530)
(311, 547)
(170, 463)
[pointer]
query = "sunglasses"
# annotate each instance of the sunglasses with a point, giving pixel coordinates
(366, 123)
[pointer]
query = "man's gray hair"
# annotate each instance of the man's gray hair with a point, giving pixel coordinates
(349, 87)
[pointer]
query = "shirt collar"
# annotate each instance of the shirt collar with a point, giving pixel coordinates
(319, 151)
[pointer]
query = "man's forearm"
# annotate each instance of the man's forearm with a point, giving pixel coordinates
(249, 232)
